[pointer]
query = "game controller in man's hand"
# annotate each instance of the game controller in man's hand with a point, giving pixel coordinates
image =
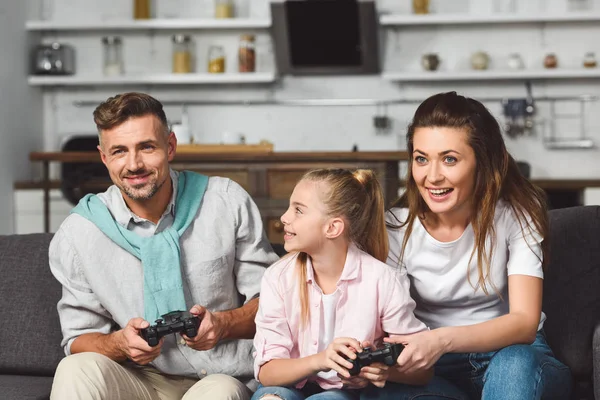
(173, 322)
(387, 355)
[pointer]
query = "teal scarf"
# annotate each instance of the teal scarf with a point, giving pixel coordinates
(160, 254)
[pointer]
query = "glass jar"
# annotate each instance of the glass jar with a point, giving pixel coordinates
(550, 61)
(223, 8)
(247, 54)
(216, 60)
(113, 55)
(589, 60)
(420, 6)
(182, 54)
(141, 9)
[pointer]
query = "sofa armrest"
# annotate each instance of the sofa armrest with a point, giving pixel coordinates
(596, 356)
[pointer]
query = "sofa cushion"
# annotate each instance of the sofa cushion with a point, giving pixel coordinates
(19, 387)
(571, 286)
(30, 335)
(596, 356)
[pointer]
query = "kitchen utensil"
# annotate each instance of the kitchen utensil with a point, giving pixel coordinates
(519, 114)
(54, 59)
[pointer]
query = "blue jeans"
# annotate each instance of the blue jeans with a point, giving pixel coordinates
(310, 391)
(518, 372)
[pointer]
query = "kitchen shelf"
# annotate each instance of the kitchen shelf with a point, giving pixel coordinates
(150, 24)
(491, 75)
(468, 19)
(154, 79)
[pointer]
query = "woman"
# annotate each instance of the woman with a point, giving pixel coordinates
(469, 230)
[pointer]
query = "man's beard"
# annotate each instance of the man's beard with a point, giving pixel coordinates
(133, 192)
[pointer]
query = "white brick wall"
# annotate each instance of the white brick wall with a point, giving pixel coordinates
(335, 128)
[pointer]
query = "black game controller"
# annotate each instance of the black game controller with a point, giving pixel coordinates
(175, 321)
(387, 355)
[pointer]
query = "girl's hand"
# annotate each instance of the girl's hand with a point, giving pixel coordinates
(421, 350)
(354, 382)
(376, 373)
(333, 357)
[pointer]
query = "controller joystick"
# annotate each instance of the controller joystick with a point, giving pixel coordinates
(387, 355)
(173, 322)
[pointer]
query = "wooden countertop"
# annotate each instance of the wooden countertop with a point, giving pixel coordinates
(94, 156)
(566, 184)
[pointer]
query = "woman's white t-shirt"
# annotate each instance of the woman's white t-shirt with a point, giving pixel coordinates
(438, 270)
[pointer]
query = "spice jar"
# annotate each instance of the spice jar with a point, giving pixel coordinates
(223, 8)
(113, 55)
(182, 54)
(420, 6)
(141, 9)
(550, 61)
(247, 54)
(589, 60)
(216, 60)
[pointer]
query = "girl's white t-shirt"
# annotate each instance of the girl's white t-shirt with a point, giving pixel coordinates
(438, 270)
(326, 335)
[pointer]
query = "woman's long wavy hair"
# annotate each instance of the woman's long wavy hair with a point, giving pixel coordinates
(356, 196)
(497, 176)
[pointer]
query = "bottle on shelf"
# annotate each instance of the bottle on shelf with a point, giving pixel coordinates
(223, 8)
(142, 9)
(247, 54)
(420, 6)
(113, 55)
(182, 54)
(216, 60)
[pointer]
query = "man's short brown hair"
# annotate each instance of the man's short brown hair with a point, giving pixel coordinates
(118, 109)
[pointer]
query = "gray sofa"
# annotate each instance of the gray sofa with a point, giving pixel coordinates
(30, 332)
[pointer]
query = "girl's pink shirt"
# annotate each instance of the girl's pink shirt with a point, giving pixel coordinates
(374, 301)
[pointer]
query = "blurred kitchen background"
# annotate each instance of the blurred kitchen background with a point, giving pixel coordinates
(249, 71)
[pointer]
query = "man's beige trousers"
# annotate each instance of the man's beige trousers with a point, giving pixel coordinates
(92, 376)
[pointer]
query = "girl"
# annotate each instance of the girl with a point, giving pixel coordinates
(332, 295)
(469, 231)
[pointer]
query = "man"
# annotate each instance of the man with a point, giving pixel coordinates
(156, 241)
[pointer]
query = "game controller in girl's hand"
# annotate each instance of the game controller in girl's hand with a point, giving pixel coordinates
(387, 355)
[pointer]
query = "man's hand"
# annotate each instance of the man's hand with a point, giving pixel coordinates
(210, 332)
(133, 346)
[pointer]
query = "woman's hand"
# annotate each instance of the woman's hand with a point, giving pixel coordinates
(421, 350)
